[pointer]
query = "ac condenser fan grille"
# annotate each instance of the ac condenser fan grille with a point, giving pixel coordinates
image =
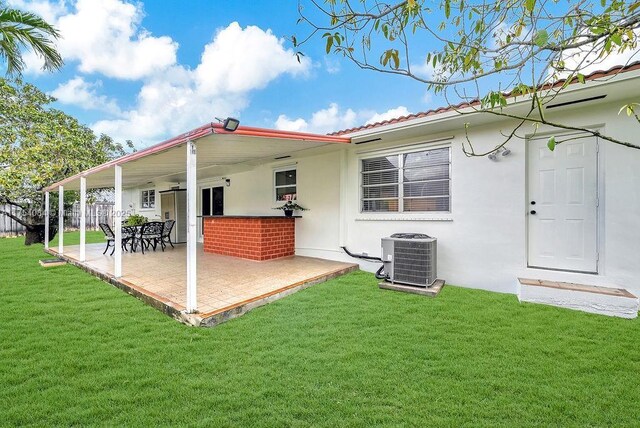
(410, 259)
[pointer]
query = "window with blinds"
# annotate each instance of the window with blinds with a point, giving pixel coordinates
(407, 182)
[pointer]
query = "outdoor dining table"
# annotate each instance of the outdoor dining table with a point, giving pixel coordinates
(137, 238)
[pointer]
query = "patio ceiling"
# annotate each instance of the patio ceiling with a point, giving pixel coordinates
(218, 152)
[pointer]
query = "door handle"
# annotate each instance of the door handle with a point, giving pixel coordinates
(532, 212)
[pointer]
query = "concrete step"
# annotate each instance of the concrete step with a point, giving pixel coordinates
(616, 302)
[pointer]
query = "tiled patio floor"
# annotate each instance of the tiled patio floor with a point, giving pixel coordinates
(224, 283)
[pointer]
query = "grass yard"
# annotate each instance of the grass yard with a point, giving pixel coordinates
(76, 351)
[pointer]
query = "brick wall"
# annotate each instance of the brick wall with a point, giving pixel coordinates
(250, 238)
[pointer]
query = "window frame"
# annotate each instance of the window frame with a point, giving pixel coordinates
(276, 187)
(400, 152)
(148, 191)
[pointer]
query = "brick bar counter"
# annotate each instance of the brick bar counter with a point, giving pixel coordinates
(250, 237)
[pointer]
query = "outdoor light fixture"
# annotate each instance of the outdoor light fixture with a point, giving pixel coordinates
(228, 182)
(229, 124)
(494, 154)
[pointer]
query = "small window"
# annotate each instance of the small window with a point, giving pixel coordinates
(407, 182)
(286, 185)
(148, 199)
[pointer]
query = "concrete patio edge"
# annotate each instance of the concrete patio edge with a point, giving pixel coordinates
(208, 319)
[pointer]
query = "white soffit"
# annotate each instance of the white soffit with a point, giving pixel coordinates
(216, 153)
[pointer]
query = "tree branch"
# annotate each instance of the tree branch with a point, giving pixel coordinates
(17, 219)
(6, 200)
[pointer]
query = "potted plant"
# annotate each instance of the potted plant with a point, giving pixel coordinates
(289, 207)
(136, 220)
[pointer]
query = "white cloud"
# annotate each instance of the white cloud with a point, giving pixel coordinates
(48, 10)
(335, 118)
(427, 71)
(389, 114)
(286, 124)
(332, 65)
(104, 37)
(239, 60)
(79, 92)
(427, 98)
(169, 104)
(585, 61)
(332, 118)
(322, 121)
(178, 98)
(33, 63)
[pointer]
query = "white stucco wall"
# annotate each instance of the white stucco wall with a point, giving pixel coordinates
(131, 200)
(482, 243)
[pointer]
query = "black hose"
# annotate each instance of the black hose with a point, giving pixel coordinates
(380, 273)
(361, 256)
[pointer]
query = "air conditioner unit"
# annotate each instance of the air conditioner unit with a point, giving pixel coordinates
(410, 258)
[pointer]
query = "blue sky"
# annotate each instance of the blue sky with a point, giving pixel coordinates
(148, 70)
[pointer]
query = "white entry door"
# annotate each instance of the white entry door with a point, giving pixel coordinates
(563, 205)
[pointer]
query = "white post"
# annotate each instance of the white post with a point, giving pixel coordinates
(46, 220)
(192, 267)
(117, 270)
(60, 220)
(83, 218)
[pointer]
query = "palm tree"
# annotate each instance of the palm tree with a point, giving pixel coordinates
(25, 30)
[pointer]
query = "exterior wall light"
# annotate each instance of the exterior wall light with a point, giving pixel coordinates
(230, 124)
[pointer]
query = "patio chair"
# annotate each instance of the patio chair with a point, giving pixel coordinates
(151, 235)
(166, 233)
(127, 237)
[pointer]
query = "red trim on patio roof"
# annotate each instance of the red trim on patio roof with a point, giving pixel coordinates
(203, 131)
(440, 110)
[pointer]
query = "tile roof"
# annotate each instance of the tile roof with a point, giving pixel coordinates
(440, 110)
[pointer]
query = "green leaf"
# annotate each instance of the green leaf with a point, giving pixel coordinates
(396, 59)
(580, 78)
(329, 44)
(529, 5)
(551, 144)
(617, 38)
(541, 38)
(447, 8)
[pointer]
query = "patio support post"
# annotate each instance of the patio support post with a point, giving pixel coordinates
(192, 271)
(117, 220)
(83, 218)
(46, 220)
(61, 220)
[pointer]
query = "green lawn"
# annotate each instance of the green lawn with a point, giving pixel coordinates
(76, 351)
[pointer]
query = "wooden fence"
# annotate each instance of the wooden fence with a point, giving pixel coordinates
(8, 226)
(96, 213)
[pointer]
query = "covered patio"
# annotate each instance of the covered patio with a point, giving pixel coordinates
(194, 286)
